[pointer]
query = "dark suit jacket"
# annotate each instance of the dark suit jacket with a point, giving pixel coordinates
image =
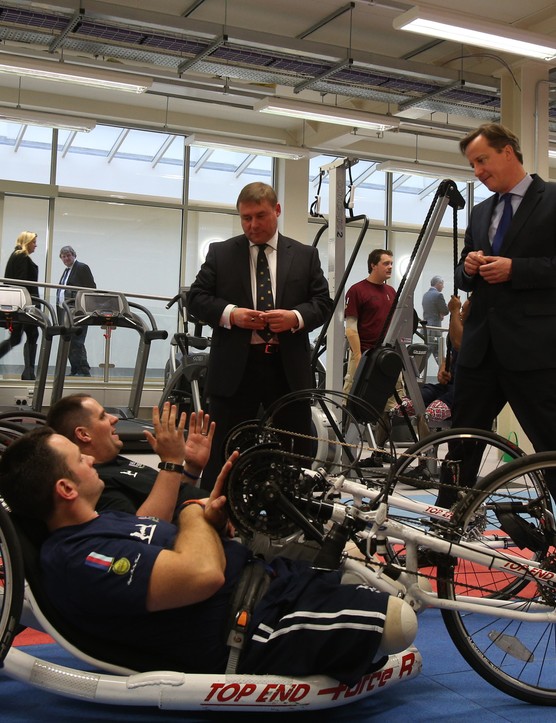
(518, 316)
(80, 275)
(21, 266)
(224, 278)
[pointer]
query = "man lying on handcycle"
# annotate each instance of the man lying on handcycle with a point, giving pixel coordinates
(171, 590)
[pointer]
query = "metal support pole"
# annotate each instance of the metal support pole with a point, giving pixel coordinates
(335, 339)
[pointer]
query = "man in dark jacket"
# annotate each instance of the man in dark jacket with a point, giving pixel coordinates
(76, 273)
(260, 347)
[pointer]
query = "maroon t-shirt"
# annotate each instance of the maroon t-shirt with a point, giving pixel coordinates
(370, 304)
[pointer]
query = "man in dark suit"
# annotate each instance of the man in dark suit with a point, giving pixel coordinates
(509, 263)
(76, 273)
(259, 352)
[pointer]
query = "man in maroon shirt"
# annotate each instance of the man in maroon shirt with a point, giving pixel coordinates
(368, 303)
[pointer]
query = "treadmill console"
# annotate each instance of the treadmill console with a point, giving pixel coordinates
(101, 304)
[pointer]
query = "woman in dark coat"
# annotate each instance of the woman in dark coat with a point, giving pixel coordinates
(21, 266)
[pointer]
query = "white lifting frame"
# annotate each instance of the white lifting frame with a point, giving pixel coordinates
(335, 342)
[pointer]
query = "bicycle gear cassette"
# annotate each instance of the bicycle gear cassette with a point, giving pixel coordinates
(259, 479)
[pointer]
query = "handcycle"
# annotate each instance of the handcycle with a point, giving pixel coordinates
(488, 563)
(113, 674)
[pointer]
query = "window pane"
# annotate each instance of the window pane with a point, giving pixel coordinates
(25, 152)
(218, 176)
(117, 160)
(202, 229)
(368, 187)
(413, 196)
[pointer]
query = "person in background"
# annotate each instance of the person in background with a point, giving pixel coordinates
(76, 273)
(21, 266)
(262, 293)
(439, 397)
(434, 310)
(368, 305)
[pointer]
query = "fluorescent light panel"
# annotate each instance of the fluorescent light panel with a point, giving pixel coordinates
(48, 120)
(552, 152)
(473, 31)
(67, 73)
(246, 146)
(326, 114)
(418, 168)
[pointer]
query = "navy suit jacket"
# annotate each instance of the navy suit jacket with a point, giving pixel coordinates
(518, 317)
(224, 278)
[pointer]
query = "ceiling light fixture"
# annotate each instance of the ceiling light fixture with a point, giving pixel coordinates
(247, 146)
(326, 114)
(47, 120)
(63, 72)
(552, 153)
(418, 168)
(461, 28)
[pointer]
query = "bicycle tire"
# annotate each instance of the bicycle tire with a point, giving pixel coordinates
(421, 464)
(12, 582)
(516, 656)
(23, 416)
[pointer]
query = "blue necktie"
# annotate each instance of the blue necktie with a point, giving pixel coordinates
(503, 224)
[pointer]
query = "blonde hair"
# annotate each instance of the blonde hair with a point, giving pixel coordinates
(23, 240)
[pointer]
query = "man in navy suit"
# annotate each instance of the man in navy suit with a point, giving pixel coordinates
(509, 338)
(257, 356)
(76, 273)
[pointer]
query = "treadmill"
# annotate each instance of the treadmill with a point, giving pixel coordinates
(17, 306)
(111, 310)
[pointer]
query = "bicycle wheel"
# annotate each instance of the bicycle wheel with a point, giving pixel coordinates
(509, 518)
(24, 417)
(11, 582)
(450, 461)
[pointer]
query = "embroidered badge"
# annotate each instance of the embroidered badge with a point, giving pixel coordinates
(121, 566)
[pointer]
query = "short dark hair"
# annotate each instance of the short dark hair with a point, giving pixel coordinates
(257, 192)
(498, 137)
(67, 414)
(29, 470)
(375, 256)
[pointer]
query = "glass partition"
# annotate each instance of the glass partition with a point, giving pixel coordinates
(129, 248)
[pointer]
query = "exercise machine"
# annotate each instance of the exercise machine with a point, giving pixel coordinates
(18, 307)
(111, 310)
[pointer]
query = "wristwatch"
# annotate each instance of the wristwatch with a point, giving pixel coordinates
(171, 467)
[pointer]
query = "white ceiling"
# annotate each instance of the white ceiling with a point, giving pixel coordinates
(217, 93)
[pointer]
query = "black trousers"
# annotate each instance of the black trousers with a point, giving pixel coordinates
(262, 384)
(480, 394)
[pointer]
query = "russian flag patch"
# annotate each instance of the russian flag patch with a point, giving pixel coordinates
(101, 562)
